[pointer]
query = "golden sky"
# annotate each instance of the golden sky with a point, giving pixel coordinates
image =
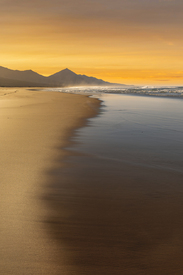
(124, 41)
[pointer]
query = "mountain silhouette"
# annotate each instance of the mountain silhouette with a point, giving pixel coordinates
(64, 78)
(6, 82)
(23, 76)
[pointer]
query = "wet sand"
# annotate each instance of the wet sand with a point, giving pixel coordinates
(64, 212)
(117, 207)
(35, 125)
(118, 219)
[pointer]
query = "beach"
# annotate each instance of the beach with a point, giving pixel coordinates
(117, 202)
(35, 125)
(90, 186)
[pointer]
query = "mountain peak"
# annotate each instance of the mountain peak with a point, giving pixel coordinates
(66, 73)
(64, 78)
(66, 70)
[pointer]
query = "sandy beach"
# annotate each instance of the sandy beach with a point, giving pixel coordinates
(91, 137)
(35, 125)
(117, 202)
(67, 211)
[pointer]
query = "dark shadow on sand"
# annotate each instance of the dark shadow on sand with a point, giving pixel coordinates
(116, 218)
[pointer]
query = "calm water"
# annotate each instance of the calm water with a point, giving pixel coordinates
(118, 202)
(146, 131)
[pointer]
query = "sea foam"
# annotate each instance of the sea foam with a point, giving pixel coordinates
(133, 90)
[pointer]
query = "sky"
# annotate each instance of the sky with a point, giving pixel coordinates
(121, 41)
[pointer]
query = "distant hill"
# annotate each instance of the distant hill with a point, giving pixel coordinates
(23, 76)
(68, 78)
(6, 82)
(64, 78)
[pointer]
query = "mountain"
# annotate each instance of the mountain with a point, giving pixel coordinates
(68, 78)
(28, 75)
(63, 78)
(6, 82)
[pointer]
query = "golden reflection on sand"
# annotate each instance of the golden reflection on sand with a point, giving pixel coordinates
(33, 125)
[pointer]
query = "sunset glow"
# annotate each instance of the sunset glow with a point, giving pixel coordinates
(131, 42)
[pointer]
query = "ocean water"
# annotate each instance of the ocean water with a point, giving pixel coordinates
(144, 131)
(166, 91)
(139, 125)
(119, 197)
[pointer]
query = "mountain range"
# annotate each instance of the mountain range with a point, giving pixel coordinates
(64, 78)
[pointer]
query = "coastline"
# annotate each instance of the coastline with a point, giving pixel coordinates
(35, 126)
(116, 204)
(74, 200)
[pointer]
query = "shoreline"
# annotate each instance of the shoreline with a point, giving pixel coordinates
(67, 206)
(36, 126)
(160, 95)
(114, 217)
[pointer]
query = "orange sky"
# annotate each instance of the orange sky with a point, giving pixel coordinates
(124, 41)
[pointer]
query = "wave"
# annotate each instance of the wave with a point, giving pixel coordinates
(144, 90)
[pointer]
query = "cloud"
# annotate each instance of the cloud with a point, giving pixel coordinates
(67, 30)
(131, 11)
(120, 17)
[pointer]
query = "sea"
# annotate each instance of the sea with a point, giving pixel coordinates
(142, 125)
(122, 183)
